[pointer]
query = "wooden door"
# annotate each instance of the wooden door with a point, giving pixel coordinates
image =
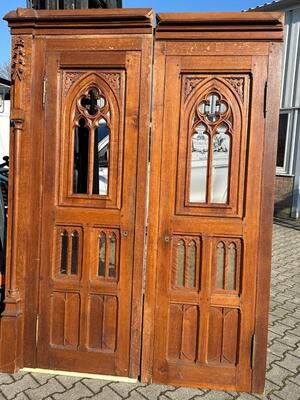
(91, 145)
(205, 198)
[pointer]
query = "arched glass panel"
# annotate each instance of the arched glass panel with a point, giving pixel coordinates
(199, 160)
(101, 158)
(220, 265)
(102, 254)
(232, 261)
(75, 247)
(112, 256)
(180, 263)
(64, 253)
(192, 264)
(81, 157)
(220, 165)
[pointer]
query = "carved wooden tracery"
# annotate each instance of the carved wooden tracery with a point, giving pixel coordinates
(211, 134)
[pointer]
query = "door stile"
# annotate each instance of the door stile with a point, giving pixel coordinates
(153, 211)
(142, 193)
(31, 306)
(266, 217)
(252, 217)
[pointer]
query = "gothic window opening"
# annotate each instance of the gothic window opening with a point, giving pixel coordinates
(91, 143)
(211, 142)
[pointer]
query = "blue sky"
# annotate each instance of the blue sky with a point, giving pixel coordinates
(157, 5)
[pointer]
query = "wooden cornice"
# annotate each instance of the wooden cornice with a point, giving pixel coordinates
(124, 20)
(220, 26)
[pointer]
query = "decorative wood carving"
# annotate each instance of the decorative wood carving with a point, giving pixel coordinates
(18, 60)
(190, 84)
(69, 79)
(238, 85)
(114, 80)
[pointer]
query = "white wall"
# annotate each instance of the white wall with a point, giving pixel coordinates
(4, 130)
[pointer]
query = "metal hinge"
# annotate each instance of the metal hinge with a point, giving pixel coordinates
(252, 350)
(44, 92)
(37, 326)
(265, 99)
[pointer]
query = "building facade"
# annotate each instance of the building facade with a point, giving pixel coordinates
(287, 197)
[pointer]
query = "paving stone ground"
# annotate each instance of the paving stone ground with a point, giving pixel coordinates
(283, 372)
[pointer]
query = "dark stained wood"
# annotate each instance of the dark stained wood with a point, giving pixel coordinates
(193, 53)
(197, 324)
(78, 320)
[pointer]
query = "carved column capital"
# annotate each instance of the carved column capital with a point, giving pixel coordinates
(17, 120)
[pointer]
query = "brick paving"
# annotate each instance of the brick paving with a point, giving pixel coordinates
(283, 373)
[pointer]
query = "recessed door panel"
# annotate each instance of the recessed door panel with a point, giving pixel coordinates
(205, 290)
(91, 163)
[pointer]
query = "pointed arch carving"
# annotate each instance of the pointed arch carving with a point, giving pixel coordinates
(92, 150)
(211, 135)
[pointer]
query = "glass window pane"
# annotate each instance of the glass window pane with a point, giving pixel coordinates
(220, 165)
(232, 252)
(64, 253)
(101, 159)
(81, 157)
(220, 265)
(74, 260)
(192, 264)
(282, 135)
(199, 159)
(180, 263)
(112, 256)
(102, 252)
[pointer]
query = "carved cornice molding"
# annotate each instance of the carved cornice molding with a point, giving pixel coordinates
(18, 60)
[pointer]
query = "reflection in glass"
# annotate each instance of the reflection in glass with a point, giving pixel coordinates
(112, 256)
(102, 251)
(220, 165)
(74, 259)
(101, 159)
(180, 263)
(81, 157)
(64, 253)
(232, 252)
(192, 264)
(212, 108)
(220, 265)
(199, 159)
(93, 101)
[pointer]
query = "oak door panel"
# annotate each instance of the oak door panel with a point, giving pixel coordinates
(91, 150)
(209, 196)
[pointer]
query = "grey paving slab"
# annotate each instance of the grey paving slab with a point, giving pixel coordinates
(283, 366)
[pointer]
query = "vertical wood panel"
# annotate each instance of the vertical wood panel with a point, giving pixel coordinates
(110, 323)
(57, 318)
(72, 322)
(174, 331)
(95, 321)
(190, 331)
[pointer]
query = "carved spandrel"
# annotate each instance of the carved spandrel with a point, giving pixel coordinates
(112, 78)
(190, 84)
(238, 84)
(18, 60)
(69, 79)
